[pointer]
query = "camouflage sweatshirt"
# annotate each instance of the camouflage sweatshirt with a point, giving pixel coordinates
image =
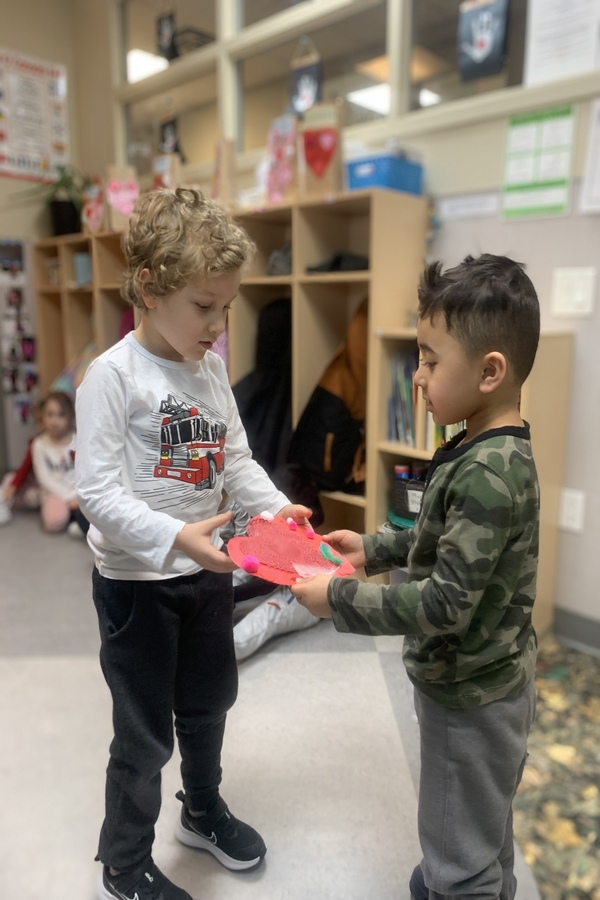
(472, 561)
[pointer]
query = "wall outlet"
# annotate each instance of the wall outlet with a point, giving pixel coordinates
(572, 510)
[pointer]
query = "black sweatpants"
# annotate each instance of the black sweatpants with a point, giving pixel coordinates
(166, 651)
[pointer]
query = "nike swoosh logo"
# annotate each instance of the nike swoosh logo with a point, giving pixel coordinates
(124, 896)
(213, 838)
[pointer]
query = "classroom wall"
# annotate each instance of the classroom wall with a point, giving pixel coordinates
(44, 30)
(470, 160)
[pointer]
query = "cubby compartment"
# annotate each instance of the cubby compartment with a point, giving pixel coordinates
(78, 321)
(108, 260)
(109, 310)
(243, 325)
(51, 335)
(76, 263)
(46, 267)
(324, 230)
(342, 511)
(320, 318)
(270, 230)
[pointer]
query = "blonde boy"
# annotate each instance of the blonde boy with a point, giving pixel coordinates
(159, 441)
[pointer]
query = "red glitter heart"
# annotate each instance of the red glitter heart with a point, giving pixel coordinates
(285, 552)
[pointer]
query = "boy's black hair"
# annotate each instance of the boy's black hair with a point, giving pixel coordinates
(488, 303)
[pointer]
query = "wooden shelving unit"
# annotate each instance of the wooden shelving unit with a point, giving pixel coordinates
(71, 314)
(389, 228)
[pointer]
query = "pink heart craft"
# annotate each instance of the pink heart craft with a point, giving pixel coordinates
(281, 552)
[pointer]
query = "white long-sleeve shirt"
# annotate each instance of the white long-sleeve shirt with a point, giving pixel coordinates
(158, 442)
(53, 466)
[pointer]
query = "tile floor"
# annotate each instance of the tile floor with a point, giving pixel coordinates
(320, 751)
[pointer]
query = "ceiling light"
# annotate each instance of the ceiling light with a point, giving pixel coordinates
(428, 98)
(377, 68)
(375, 98)
(141, 64)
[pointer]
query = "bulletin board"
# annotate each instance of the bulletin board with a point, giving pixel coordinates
(34, 133)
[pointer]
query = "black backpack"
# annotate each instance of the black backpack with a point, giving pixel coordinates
(329, 440)
(264, 396)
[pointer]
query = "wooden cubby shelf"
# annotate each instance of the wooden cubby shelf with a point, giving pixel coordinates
(387, 227)
(72, 315)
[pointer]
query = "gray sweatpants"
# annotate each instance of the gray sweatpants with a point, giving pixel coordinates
(472, 761)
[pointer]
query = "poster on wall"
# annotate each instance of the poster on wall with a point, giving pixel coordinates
(562, 39)
(481, 38)
(537, 164)
(34, 133)
(306, 77)
(589, 201)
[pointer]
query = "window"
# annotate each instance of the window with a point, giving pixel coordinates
(354, 65)
(156, 34)
(434, 68)
(186, 114)
(251, 11)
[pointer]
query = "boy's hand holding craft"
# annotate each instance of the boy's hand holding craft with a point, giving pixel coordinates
(350, 544)
(312, 593)
(194, 541)
(297, 512)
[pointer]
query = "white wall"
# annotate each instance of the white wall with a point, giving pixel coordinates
(469, 160)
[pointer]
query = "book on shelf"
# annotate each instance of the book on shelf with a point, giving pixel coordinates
(437, 435)
(403, 398)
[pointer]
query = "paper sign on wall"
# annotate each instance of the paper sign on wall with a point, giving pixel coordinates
(537, 164)
(34, 133)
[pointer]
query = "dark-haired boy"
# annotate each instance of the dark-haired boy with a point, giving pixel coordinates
(470, 647)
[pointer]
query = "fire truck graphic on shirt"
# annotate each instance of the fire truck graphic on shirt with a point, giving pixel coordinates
(192, 446)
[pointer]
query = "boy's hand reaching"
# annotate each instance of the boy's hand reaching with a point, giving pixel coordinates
(297, 512)
(312, 593)
(349, 544)
(194, 541)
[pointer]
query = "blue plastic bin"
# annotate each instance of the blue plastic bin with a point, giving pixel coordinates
(394, 172)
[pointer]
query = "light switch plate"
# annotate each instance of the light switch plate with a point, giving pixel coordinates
(572, 510)
(573, 291)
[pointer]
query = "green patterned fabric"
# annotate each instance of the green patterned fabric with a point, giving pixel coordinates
(472, 562)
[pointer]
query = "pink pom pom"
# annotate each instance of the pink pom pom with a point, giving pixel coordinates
(310, 533)
(292, 525)
(250, 564)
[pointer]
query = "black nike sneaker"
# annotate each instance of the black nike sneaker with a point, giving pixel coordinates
(149, 884)
(236, 845)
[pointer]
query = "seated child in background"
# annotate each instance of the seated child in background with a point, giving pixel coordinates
(19, 489)
(53, 455)
(470, 647)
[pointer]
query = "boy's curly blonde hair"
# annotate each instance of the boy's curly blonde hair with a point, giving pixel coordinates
(180, 235)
